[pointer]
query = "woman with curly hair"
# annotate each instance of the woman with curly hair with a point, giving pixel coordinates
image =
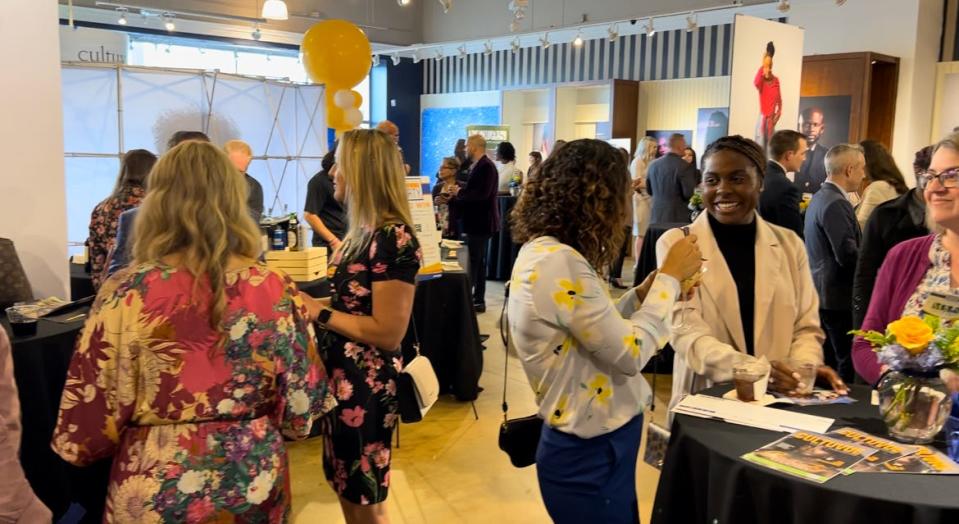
(581, 351)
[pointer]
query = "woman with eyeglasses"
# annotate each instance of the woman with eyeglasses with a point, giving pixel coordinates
(446, 181)
(917, 267)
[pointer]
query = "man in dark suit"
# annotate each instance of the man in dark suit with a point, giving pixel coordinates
(832, 243)
(670, 180)
(476, 206)
(811, 176)
(779, 201)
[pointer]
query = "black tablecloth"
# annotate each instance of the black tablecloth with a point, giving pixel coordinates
(81, 284)
(705, 481)
(447, 329)
(502, 250)
(40, 367)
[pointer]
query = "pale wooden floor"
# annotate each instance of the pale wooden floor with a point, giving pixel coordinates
(448, 468)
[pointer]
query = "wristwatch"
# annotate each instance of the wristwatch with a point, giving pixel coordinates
(324, 317)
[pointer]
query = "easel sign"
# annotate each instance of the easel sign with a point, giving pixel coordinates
(424, 223)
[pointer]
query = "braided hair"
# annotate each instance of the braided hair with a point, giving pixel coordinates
(744, 146)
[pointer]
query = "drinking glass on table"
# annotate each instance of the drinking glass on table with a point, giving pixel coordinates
(23, 319)
(807, 374)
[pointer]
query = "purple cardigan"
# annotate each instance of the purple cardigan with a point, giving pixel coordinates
(900, 275)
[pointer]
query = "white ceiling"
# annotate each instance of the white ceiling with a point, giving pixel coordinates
(386, 22)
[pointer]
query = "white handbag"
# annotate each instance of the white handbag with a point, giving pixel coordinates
(417, 386)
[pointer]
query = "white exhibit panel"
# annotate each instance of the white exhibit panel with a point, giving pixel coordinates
(284, 123)
(762, 102)
(527, 113)
(90, 110)
(583, 112)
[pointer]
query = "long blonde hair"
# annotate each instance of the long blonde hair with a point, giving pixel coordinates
(196, 208)
(372, 168)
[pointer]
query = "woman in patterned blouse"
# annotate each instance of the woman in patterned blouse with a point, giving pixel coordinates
(195, 362)
(127, 194)
(581, 351)
(373, 276)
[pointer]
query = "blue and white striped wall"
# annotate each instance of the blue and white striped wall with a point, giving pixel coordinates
(667, 55)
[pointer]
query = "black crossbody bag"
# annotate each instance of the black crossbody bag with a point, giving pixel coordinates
(518, 437)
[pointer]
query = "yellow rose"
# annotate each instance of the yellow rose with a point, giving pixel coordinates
(912, 333)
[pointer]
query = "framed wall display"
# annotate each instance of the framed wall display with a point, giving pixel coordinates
(766, 75)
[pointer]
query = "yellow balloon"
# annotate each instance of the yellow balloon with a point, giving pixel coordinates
(357, 99)
(336, 52)
(335, 119)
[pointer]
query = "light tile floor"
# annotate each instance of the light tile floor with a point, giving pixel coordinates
(448, 468)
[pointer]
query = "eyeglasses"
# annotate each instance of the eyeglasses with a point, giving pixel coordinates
(948, 179)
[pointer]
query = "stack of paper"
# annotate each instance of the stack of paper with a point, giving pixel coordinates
(744, 414)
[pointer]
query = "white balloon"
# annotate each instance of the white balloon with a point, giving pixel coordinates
(343, 99)
(353, 117)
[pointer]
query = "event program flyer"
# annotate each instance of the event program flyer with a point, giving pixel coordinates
(925, 461)
(886, 450)
(810, 456)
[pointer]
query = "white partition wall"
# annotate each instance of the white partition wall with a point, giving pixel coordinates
(111, 109)
(31, 143)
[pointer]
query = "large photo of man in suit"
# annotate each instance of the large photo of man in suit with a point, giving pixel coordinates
(824, 120)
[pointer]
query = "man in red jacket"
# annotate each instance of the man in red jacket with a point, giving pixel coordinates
(476, 205)
(770, 96)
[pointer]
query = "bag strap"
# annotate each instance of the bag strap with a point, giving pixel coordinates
(504, 335)
(416, 335)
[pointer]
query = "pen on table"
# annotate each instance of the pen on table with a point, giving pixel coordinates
(75, 317)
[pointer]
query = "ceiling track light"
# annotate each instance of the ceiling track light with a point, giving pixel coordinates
(515, 45)
(275, 10)
(395, 59)
(256, 34)
(691, 23)
(578, 41)
(376, 60)
(650, 29)
(613, 32)
(168, 22)
(840, 2)
(488, 48)
(462, 50)
(438, 56)
(544, 40)
(403, 2)
(123, 15)
(783, 6)
(416, 57)
(447, 5)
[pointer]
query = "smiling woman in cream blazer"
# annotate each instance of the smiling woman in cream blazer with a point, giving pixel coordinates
(776, 289)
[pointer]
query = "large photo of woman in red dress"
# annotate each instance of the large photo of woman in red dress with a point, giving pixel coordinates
(770, 97)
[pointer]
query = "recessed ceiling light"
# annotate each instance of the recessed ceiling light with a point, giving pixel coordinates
(578, 41)
(274, 10)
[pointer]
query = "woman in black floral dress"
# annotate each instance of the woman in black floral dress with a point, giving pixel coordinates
(373, 276)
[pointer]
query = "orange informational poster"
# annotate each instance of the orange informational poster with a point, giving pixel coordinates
(424, 222)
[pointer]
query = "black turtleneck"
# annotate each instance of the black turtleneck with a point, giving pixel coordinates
(738, 246)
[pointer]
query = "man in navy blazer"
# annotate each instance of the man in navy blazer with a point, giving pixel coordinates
(671, 181)
(779, 201)
(832, 243)
(477, 207)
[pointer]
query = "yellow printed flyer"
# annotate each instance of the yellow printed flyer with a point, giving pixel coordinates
(886, 450)
(925, 461)
(810, 456)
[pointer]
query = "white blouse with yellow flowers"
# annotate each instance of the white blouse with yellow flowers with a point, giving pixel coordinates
(582, 352)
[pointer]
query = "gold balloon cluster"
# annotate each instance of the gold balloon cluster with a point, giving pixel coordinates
(337, 53)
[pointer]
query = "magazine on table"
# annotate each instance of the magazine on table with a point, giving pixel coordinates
(810, 456)
(819, 397)
(925, 461)
(886, 450)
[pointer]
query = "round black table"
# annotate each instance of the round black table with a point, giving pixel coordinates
(40, 365)
(704, 480)
(502, 251)
(447, 329)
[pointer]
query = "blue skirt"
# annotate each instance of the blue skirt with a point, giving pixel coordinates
(590, 480)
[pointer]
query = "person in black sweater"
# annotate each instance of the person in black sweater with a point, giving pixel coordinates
(891, 223)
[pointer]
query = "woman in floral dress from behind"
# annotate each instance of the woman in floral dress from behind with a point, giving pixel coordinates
(373, 276)
(195, 361)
